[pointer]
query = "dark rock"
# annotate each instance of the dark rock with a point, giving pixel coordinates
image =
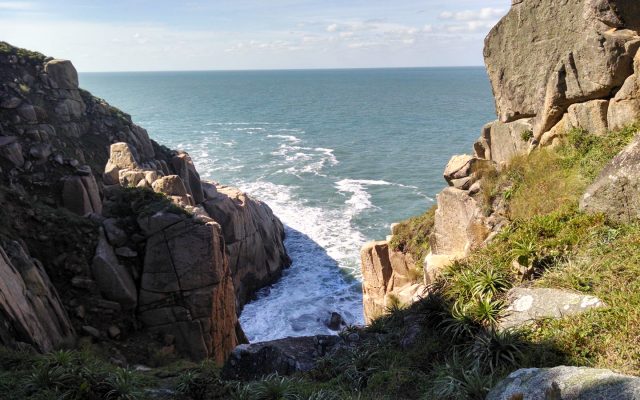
(282, 356)
(335, 322)
(114, 281)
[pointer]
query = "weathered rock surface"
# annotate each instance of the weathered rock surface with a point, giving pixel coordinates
(283, 356)
(80, 194)
(457, 227)
(187, 290)
(590, 117)
(616, 191)
(113, 279)
(500, 142)
(527, 305)
(387, 275)
(30, 309)
(559, 53)
(625, 105)
(253, 237)
(566, 383)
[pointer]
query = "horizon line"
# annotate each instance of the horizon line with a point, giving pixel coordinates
(277, 69)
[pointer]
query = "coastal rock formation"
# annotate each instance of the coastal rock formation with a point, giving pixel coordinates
(177, 264)
(253, 236)
(186, 289)
(616, 191)
(387, 276)
(560, 53)
(282, 356)
(527, 305)
(566, 383)
(569, 65)
(31, 310)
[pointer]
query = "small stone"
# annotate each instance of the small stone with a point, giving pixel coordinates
(114, 332)
(80, 311)
(91, 331)
(353, 337)
(168, 340)
(83, 282)
(58, 158)
(126, 252)
(335, 321)
(12, 102)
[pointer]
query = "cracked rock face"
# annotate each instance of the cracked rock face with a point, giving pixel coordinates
(545, 55)
(616, 192)
(187, 291)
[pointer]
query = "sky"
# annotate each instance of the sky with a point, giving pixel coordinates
(162, 35)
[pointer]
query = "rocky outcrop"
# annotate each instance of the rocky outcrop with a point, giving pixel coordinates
(625, 105)
(30, 309)
(179, 271)
(560, 53)
(590, 117)
(388, 276)
(253, 237)
(283, 356)
(186, 289)
(500, 141)
(616, 191)
(526, 305)
(566, 383)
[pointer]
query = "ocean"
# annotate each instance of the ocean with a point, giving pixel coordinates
(338, 155)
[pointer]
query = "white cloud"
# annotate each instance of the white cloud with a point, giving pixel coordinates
(483, 14)
(16, 6)
(332, 28)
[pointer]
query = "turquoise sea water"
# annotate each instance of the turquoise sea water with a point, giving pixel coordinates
(338, 155)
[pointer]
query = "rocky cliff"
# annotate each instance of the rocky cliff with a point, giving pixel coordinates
(107, 234)
(554, 67)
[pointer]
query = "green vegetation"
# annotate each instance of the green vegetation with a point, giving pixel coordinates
(133, 201)
(526, 135)
(412, 237)
(34, 56)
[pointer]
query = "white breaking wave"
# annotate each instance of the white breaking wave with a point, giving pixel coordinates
(320, 242)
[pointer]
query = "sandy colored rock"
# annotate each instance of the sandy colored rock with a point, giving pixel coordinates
(500, 142)
(616, 191)
(184, 167)
(526, 305)
(625, 106)
(566, 383)
(455, 221)
(559, 53)
(121, 156)
(254, 239)
(387, 275)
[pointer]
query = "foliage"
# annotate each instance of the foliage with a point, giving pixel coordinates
(136, 202)
(412, 236)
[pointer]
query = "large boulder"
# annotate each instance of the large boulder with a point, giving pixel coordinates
(625, 106)
(121, 156)
(500, 142)
(526, 305)
(186, 289)
(616, 191)
(185, 169)
(566, 383)
(545, 55)
(590, 117)
(80, 195)
(388, 275)
(113, 279)
(30, 309)
(282, 356)
(62, 73)
(458, 226)
(254, 238)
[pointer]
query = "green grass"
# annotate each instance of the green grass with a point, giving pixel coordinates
(132, 201)
(412, 237)
(7, 49)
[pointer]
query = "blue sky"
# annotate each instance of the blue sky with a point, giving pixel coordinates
(151, 35)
